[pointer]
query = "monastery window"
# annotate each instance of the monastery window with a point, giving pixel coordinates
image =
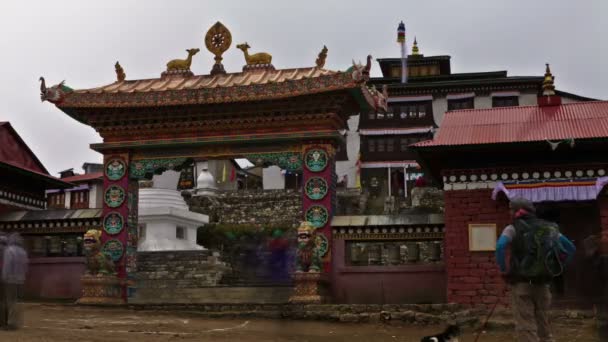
(180, 233)
(505, 101)
(372, 115)
(380, 116)
(403, 112)
(391, 253)
(79, 199)
(380, 146)
(457, 104)
(434, 70)
(421, 111)
(371, 145)
(396, 71)
(389, 114)
(404, 143)
(390, 145)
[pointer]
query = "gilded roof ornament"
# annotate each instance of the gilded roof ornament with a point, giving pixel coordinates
(260, 60)
(321, 58)
(217, 41)
(548, 82)
(182, 65)
(415, 50)
(120, 73)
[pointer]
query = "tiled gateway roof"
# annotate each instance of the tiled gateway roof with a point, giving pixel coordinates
(252, 85)
(582, 120)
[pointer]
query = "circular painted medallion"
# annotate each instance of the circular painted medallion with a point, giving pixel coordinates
(317, 215)
(114, 196)
(322, 244)
(113, 249)
(316, 160)
(115, 169)
(316, 188)
(113, 223)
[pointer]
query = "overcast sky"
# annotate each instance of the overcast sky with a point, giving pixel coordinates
(80, 41)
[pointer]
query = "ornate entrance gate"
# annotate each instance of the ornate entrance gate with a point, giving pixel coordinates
(287, 117)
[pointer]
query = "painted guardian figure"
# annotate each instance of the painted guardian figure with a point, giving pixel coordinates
(309, 254)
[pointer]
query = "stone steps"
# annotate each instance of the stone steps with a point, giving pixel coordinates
(212, 295)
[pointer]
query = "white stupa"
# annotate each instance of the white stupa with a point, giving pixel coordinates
(205, 184)
(166, 222)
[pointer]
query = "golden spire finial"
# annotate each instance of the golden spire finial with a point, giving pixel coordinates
(548, 86)
(415, 51)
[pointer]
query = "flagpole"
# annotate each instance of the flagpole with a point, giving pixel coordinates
(401, 41)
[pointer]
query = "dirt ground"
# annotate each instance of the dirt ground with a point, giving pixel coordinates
(48, 322)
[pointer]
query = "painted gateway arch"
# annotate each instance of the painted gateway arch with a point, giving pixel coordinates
(286, 117)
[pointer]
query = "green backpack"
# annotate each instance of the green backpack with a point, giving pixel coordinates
(541, 256)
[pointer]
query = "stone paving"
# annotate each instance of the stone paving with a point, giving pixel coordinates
(48, 322)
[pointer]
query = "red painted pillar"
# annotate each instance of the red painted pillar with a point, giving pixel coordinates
(116, 204)
(319, 184)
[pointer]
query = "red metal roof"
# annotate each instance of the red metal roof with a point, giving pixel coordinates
(82, 178)
(581, 120)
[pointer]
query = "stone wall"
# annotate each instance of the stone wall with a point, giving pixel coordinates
(178, 269)
(473, 277)
(257, 207)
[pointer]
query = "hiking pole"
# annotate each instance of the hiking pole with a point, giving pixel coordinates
(487, 319)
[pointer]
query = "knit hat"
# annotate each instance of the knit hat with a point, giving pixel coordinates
(522, 203)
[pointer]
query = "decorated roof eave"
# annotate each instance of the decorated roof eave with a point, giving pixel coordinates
(274, 138)
(94, 98)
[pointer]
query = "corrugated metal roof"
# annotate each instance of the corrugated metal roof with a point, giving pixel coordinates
(55, 214)
(582, 120)
(84, 177)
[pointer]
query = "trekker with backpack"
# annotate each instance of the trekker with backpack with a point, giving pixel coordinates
(539, 253)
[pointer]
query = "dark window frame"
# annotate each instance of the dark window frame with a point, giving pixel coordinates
(505, 101)
(457, 104)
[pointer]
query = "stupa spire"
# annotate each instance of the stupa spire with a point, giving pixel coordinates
(415, 51)
(548, 82)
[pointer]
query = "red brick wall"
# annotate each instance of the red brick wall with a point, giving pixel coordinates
(473, 277)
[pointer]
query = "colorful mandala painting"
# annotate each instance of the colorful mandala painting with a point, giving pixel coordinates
(322, 244)
(113, 223)
(316, 160)
(317, 215)
(113, 248)
(114, 196)
(115, 169)
(316, 188)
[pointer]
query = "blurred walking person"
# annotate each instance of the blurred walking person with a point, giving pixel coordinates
(14, 268)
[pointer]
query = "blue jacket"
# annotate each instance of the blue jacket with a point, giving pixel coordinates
(568, 248)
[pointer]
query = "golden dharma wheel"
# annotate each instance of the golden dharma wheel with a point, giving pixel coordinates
(218, 40)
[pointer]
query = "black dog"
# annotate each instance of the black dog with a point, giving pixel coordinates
(450, 334)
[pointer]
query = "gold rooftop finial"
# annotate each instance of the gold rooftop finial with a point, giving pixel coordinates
(548, 85)
(415, 51)
(321, 59)
(120, 72)
(217, 41)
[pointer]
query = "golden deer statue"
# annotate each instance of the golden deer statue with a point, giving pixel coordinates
(256, 58)
(182, 64)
